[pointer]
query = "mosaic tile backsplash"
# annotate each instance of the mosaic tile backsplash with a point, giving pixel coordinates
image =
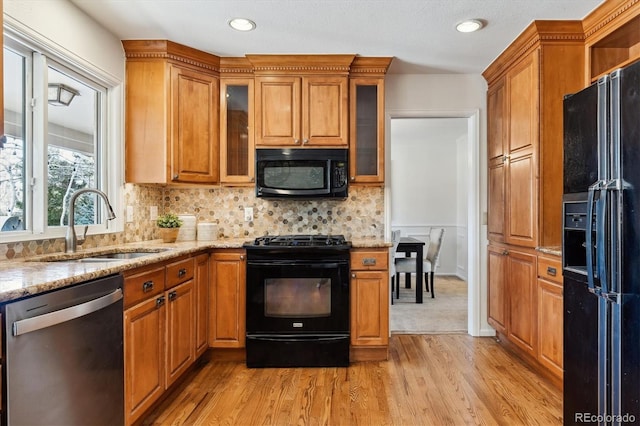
(359, 216)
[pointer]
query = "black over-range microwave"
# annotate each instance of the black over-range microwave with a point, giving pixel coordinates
(302, 173)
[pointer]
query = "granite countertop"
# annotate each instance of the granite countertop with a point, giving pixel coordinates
(30, 276)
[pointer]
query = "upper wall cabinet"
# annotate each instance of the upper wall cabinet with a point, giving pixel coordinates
(612, 37)
(172, 113)
(366, 119)
(237, 145)
(526, 86)
(301, 100)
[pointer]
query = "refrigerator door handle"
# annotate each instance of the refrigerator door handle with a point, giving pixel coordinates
(589, 237)
(601, 239)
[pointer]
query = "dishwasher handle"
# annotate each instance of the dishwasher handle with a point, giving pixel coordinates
(28, 325)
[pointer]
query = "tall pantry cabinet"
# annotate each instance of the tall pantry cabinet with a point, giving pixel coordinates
(526, 86)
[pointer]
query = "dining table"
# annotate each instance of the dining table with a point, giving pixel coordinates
(408, 246)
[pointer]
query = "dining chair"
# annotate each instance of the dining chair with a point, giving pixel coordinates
(430, 263)
(395, 239)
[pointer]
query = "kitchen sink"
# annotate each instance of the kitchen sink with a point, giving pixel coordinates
(120, 256)
(113, 256)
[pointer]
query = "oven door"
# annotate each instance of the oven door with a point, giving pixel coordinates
(297, 296)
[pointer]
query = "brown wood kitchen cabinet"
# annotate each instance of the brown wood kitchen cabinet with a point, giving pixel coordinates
(496, 135)
(497, 290)
(237, 129)
(227, 321)
(301, 100)
(202, 304)
(550, 314)
(526, 87)
(369, 304)
(612, 37)
(512, 287)
(144, 339)
(171, 113)
(237, 147)
(159, 331)
(366, 114)
(181, 303)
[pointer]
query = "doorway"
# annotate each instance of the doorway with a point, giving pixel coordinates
(451, 142)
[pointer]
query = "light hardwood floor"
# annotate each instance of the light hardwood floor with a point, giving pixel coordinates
(428, 380)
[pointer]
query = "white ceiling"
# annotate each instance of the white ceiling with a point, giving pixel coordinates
(420, 34)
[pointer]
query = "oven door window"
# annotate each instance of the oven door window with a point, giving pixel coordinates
(297, 297)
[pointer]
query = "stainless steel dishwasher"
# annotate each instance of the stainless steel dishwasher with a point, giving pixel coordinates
(64, 356)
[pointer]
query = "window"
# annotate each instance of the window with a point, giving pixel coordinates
(57, 125)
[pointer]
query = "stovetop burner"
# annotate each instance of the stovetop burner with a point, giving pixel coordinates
(299, 241)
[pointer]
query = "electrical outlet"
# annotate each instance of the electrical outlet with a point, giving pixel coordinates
(248, 214)
(129, 213)
(153, 212)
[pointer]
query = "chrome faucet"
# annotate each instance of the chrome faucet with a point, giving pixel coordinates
(71, 241)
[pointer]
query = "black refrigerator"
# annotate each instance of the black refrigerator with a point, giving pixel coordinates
(601, 251)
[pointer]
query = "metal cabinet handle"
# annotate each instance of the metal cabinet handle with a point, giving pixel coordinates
(182, 272)
(147, 286)
(505, 252)
(160, 301)
(551, 271)
(353, 178)
(176, 176)
(369, 261)
(242, 257)
(172, 295)
(353, 275)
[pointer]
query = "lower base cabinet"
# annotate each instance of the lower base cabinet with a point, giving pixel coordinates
(525, 303)
(369, 300)
(550, 314)
(227, 321)
(159, 331)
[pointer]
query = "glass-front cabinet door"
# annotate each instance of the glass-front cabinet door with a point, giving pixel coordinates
(236, 131)
(366, 155)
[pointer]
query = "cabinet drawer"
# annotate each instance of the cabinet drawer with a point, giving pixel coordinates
(143, 285)
(179, 272)
(550, 269)
(369, 260)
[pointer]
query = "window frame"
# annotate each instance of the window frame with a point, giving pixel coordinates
(109, 152)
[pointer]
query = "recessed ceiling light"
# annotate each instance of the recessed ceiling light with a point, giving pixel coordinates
(242, 24)
(469, 26)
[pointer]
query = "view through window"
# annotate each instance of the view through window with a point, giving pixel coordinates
(46, 170)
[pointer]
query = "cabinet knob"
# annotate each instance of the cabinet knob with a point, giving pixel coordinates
(305, 141)
(172, 295)
(505, 252)
(296, 141)
(353, 275)
(176, 176)
(160, 301)
(147, 286)
(242, 257)
(182, 272)
(353, 178)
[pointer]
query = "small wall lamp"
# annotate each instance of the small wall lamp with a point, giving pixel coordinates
(60, 94)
